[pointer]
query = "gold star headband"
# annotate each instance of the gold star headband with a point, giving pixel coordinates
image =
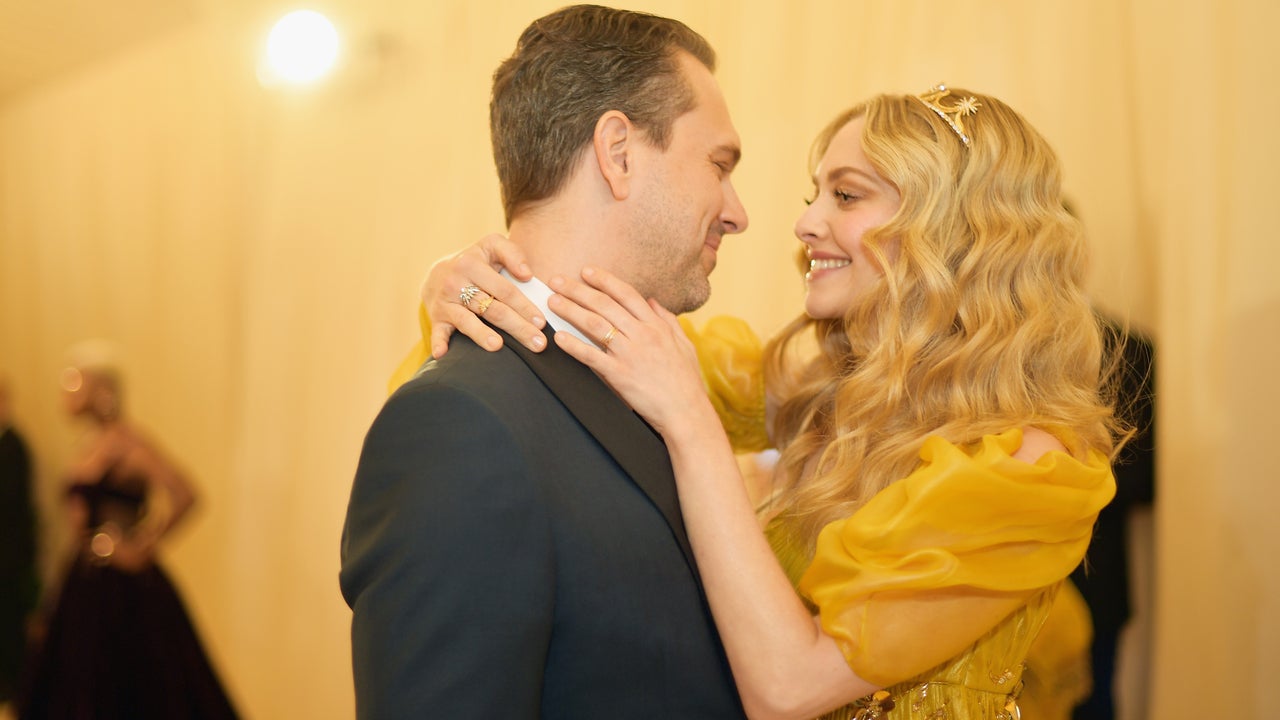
(953, 114)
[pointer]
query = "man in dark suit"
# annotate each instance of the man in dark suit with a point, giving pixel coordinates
(513, 545)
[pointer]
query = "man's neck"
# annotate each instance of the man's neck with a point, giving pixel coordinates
(559, 238)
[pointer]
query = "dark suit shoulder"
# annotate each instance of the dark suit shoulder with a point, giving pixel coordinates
(490, 377)
(446, 534)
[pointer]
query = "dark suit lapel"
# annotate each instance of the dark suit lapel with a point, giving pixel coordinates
(623, 434)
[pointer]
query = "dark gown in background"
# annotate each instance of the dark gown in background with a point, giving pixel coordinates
(119, 645)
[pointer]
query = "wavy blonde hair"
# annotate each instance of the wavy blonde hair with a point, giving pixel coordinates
(978, 324)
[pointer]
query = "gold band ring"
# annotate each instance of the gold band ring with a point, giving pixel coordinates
(608, 337)
(483, 304)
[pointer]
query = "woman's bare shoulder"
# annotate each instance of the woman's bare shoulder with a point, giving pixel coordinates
(1036, 443)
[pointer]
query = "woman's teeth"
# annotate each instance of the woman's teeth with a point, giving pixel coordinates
(827, 264)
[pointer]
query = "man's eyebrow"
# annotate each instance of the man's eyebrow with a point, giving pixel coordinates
(734, 152)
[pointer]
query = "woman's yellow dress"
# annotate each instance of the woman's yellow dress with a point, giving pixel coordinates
(937, 587)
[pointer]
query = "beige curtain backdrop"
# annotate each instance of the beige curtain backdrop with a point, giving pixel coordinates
(256, 254)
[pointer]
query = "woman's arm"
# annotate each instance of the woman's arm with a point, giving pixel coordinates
(169, 497)
(783, 663)
(786, 667)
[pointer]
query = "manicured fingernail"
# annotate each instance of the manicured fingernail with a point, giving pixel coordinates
(539, 322)
(494, 342)
(557, 282)
(538, 342)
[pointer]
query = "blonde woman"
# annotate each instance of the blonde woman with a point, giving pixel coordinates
(943, 438)
(119, 642)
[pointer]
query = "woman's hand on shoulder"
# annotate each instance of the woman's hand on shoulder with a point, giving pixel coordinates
(640, 349)
(462, 287)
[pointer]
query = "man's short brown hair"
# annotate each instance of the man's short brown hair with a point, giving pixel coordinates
(568, 69)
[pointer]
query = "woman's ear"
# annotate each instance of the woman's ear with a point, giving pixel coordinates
(613, 143)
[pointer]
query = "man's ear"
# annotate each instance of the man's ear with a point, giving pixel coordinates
(614, 142)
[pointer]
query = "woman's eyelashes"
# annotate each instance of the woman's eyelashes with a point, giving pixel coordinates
(842, 197)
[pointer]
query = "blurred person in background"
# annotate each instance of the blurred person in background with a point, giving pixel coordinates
(119, 643)
(1104, 577)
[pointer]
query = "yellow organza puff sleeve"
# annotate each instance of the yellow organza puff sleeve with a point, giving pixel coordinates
(937, 559)
(731, 358)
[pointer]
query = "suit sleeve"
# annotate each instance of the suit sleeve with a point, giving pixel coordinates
(446, 563)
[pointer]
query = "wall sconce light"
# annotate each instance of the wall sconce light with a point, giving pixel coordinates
(301, 49)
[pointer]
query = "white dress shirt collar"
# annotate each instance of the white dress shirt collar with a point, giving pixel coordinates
(538, 294)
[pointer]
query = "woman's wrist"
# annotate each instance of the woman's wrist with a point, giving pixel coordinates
(696, 425)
